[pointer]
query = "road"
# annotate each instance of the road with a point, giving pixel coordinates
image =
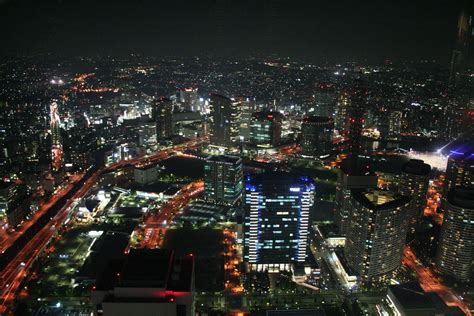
(12, 275)
(8, 238)
(431, 283)
(155, 225)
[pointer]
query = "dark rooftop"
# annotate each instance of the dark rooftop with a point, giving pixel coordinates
(461, 197)
(268, 115)
(318, 120)
(417, 167)
(384, 199)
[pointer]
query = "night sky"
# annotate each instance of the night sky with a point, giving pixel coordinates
(316, 30)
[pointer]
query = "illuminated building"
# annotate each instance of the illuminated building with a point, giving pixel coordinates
(276, 220)
(456, 243)
(146, 282)
(247, 108)
(189, 98)
(162, 114)
(265, 128)
(56, 146)
(325, 99)
(378, 225)
(224, 131)
(342, 112)
(460, 168)
(223, 179)
(356, 120)
(351, 175)
(13, 202)
(144, 174)
(414, 182)
(316, 134)
(395, 124)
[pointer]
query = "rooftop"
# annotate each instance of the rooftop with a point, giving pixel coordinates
(379, 200)
(417, 167)
(462, 197)
(318, 120)
(225, 159)
(268, 115)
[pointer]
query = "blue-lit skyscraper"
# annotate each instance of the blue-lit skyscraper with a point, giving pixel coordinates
(276, 220)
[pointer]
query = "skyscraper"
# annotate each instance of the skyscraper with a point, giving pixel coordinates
(224, 129)
(378, 225)
(351, 175)
(460, 168)
(223, 179)
(56, 145)
(162, 113)
(356, 120)
(342, 113)
(414, 182)
(276, 220)
(316, 134)
(265, 128)
(456, 244)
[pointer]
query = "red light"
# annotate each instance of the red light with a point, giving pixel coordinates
(93, 287)
(172, 299)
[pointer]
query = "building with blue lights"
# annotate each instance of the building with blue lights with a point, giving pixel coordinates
(276, 220)
(460, 167)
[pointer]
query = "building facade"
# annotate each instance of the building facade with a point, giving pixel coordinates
(276, 223)
(351, 175)
(162, 114)
(316, 135)
(265, 128)
(456, 244)
(378, 225)
(223, 179)
(414, 182)
(224, 129)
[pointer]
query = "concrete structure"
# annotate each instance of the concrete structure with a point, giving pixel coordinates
(351, 175)
(145, 174)
(378, 226)
(316, 135)
(224, 129)
(414, 182)
(162, 114)
(223, 179)
(265, 128)
(456, 244)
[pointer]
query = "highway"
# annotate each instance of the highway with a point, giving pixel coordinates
(12, 275)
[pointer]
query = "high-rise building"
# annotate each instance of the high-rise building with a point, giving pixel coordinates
(246, 109)
(277, 208)
(356, 120)
(456, 243)
(189, 99)
(395, 124)
(325, 100)
(414, 182)
(223, 179)
(460, 168)
(351, 175)
(265, 128)
(342, 113)
(317, 133)
(56, 145)
(224, 131)
(378, 225)
(162, 114)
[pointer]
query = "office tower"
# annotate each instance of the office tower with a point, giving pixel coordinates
(356, 120)
(189, 99)
(265, 128)
(342, 113)
(223, 179)
(351, 175)
(456, 243)
(224, 131)
(145, 282)
(162, 114)
(246, 109)
(316, 134)
(414, 182)
(395, 124)
(276, 220)
(56, 146)
(13, 202)
(325, 99)
(378, 225)
(460, 168)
